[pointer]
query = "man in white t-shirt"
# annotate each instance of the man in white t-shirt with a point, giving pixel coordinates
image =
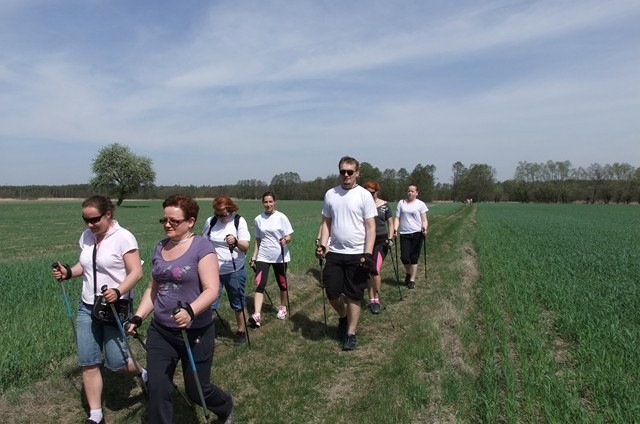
(348, 218)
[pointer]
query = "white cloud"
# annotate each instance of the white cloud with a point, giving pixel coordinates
(401, 83)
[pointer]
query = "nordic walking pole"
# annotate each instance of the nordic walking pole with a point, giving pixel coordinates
(395, 270)
(235, 277)
(424, 250)
(286, 281)
(126, 341)
(321, 261)
(66, 302)
(193, 365)
(220, 319)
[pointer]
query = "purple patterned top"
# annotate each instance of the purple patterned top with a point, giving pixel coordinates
(178, 280)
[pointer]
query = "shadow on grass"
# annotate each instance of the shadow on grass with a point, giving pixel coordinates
(309, 329)
(315, 274)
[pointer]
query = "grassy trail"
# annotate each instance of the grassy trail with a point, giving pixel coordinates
(414, 361)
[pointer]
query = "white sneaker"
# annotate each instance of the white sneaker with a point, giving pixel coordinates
(255, 320)
(282, 312)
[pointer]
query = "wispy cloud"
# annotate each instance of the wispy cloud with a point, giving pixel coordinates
(224, 92)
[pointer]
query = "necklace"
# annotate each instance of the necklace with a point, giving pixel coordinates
(184, 240)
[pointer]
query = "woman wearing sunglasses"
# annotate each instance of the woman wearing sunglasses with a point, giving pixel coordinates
(384, 240)
(230, 237)
(184, 283)
(112, 252)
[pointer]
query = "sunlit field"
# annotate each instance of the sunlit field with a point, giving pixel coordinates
(529, 313)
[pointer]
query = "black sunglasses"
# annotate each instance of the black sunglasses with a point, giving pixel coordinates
(348, 172)
(93, 220)
(222, 216)
(171, 221)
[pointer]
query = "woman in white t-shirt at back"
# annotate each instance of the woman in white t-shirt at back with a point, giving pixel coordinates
(411, 223)
(273, 232)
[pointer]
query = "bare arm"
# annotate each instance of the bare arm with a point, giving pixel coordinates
(370, 235)
(325, 230)
(256, 248)
(134, 274)
(425, 223)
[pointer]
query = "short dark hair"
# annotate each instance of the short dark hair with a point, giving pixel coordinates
(186, 203)
(102, 203)
(349, 159)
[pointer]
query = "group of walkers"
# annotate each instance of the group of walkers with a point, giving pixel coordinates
(189, 272)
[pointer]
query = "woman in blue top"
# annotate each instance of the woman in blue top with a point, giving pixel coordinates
(185, 269)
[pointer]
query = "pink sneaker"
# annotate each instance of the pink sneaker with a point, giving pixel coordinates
(282, 312)
(255, 320)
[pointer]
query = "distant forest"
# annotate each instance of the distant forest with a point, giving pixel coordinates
(550, 182)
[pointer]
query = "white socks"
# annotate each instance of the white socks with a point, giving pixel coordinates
(95, 415)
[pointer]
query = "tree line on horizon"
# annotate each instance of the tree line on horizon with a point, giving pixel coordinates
(550, 182)
(121, 174)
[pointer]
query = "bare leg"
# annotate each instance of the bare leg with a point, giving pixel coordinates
(353, 315)
(258, 299)
(339, 306)
(374, 286)
(283, 298)
(92, 381)
(240, 320)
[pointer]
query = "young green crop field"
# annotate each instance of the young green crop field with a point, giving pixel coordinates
(529, 313)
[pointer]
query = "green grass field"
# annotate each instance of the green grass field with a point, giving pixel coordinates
(529, 314)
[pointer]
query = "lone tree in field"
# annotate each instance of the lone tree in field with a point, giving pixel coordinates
(120, 172)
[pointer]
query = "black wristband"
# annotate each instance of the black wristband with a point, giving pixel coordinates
(117, 292)
(68, 269)
(189, 310)
(136, 320)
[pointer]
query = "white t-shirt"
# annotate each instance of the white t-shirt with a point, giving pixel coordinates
(410, 216)
(217, 237)
(270, 229)
(111, 269)
(348, 210)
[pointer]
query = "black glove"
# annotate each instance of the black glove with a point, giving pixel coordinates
(368, 263)
(136, 320)
(320, 251)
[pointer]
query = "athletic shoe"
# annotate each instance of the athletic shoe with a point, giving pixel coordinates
(241, 337)
(223, 420)
(143, 378)
(349, 342)
(342, 328)
(282, 312)
(255, 320)
(90, 421)
(411, 284)
(375, 308)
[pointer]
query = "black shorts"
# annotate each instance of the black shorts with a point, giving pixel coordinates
(410, 246)
(344, 275)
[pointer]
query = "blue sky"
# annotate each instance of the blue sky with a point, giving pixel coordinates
(214, 92)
